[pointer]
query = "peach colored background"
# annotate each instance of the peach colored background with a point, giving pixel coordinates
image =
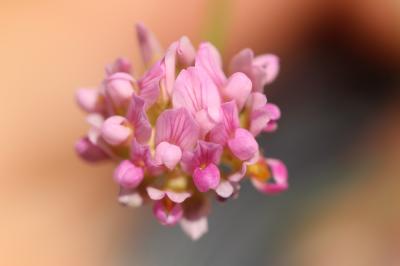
(54, 208)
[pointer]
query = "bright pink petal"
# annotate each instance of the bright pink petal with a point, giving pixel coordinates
(167, 217)
(150, 48)
(89, 151)
(206, 178)
(279, 176)
(137, 117)
(195, 229)
(243, 145)
(226, 128)
(269, 64)
(128, 175)
(168, 154)
(114, 130)
(205, 153)
(209, 60)
(237, 88)
(177, 127)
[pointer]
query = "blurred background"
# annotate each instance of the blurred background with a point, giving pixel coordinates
(339, 135)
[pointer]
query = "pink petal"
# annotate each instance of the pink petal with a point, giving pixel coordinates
(242, 62)
(237, 88)
(119, 89)
(120, 65)
(166, 217)
(209, 60)
(197, 93)
(128, 175)
(269, 64)
(169, 64)
(114, 132)
(207, 178)
(130, 198)
(89, 151)
(195, 229)
(279, 175)
(273, 111)
(177, 197)
(185, 52)
(224, 189)
(258, 121)
(243, 145)
(230, 121)
(168, 154)
(89, 100)
(177, 127)
(137, 117)
(149, 84)
(256, 101)
(155, 194)
(150, 48)
(204, 153)
(140, 154)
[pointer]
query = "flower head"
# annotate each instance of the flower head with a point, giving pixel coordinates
(184, 131)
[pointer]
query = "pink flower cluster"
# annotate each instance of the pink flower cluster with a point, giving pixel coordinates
(184, 131)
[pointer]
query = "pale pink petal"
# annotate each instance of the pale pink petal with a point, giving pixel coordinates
(224, 189)
(256, 101)
(177, 197)
(128, 175)
(169, 64)
(230, 121)
(114, 130)
(237, 88)
(195, 229)
(89, 100)
(120, 65)
(243, 145)
(258, 121)
(168, 154)
(130, 197)
(89, 151)
(274, 113)
(242, 62)
(167, 217)
(197, 93)
(155, 193)
(119, 89)
(279, 176)
(185, 52)
(209, 60)
(269, 64)
(206, 178)
(137, 117)
(150, 48)
(176, 126)
(149, 84)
